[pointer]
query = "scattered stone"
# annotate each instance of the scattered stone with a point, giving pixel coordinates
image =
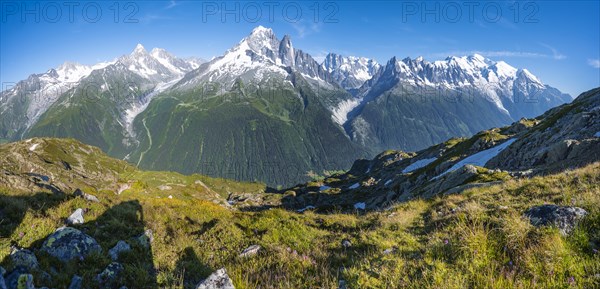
(44, 277)
(76, 282)
(146, 238)
(346, 243)
(164, 188)
(110, 275)
(371, 181)
(122, 188)
(389, 251)
(24, 258)
(250, 251)
(76, 218)
(2, 282)
(67, 243)
(170, 197)
(85, 196)
(25, 282)
(91, 198)
(78, 193)
(360, 206)
(564, 218)
(305, 208)
(12, 279)
(119, 248)
(217, 280)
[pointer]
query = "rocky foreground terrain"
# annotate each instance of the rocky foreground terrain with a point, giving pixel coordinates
(513, 207)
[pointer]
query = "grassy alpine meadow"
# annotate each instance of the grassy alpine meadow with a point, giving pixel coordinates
(476, 239)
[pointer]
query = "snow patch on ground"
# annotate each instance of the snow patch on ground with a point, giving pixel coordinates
(360, 206)
(480, 158)
(33, 147)
(387, 182)
(597, 134)
(323, 188)
(305, 208)
(418, 164)
(356, 185)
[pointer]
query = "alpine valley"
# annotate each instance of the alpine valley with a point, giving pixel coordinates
(267, 111)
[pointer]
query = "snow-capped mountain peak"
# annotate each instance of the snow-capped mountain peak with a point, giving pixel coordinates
(454, 71)
(72, 71)
(350, 72)
(524, 73)
(158, 64)
(259, 56)
(263, 42)
(139, 48)
(496, 81)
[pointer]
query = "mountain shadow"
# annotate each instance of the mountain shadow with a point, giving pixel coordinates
(14, 208)
(190, 269)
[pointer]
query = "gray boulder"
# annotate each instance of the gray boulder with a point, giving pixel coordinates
(2, 282)
(146, 238)
(564, 218)
(110, 275)
(68, 243)
(76, 282)
(346, 243)
(25, 282)
(76, 218)
(24, 258)
(119, 248)
(12, 279)
(85, 196)
(217, 280)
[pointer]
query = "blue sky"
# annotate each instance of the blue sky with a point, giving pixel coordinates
(559, 41)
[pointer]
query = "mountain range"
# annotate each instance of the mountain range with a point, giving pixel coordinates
(265, 105)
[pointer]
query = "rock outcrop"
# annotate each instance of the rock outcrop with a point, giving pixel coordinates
(564, 218)
(68, 243)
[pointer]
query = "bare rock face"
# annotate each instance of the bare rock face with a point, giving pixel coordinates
(565, 137)
(450, 180)
(217, 280)
(564, 218)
